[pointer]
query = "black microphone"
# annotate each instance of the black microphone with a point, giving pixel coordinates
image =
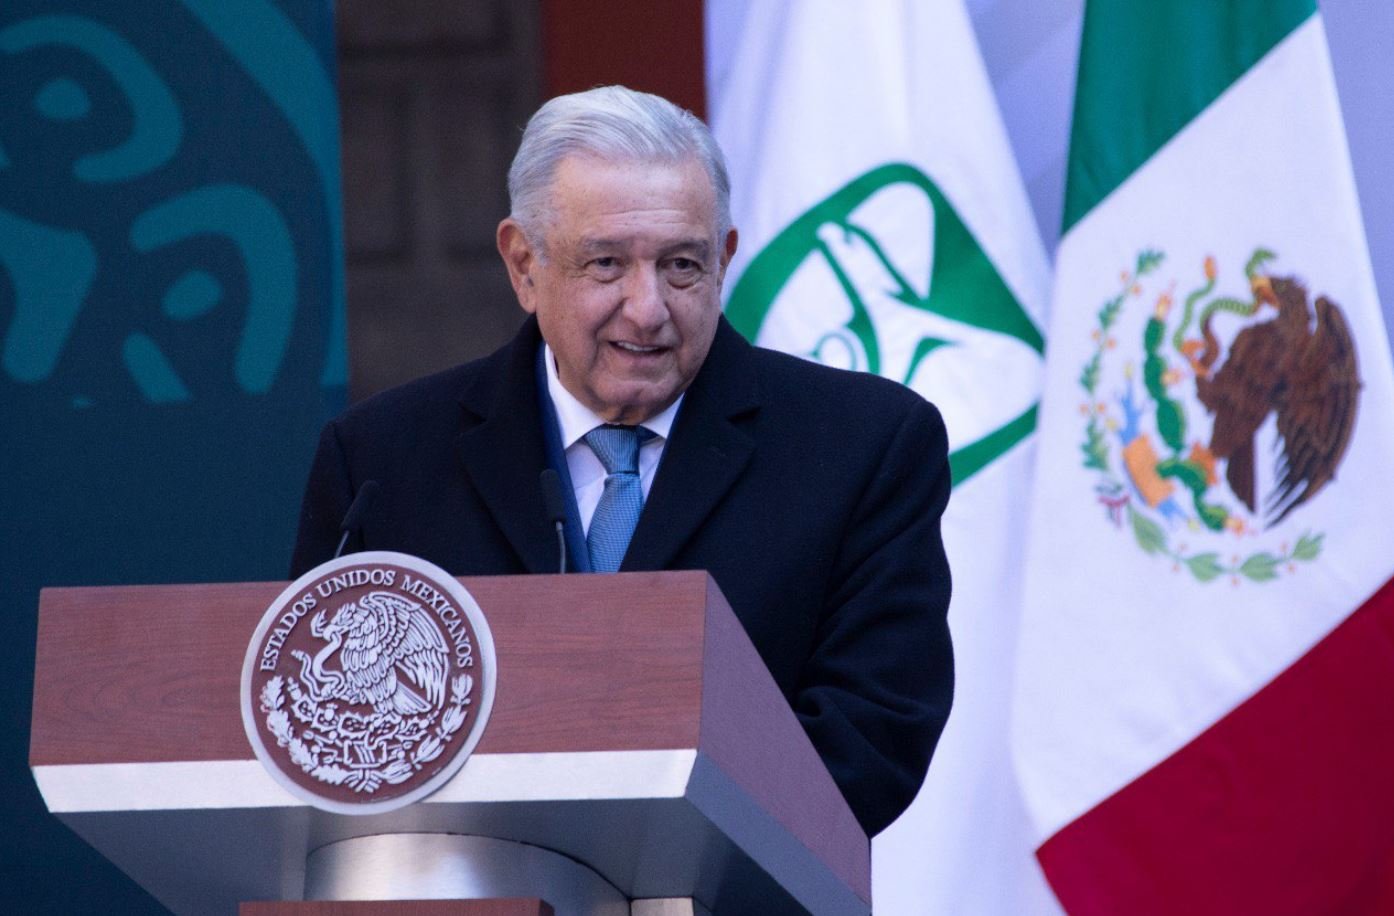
(556, 509)
(353, 518)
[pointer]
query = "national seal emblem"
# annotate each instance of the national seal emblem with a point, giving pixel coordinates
(368, 682)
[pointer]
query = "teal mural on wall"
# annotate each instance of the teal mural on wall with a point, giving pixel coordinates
(172, 331)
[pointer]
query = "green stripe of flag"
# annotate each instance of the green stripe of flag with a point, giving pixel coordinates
(1147, 67)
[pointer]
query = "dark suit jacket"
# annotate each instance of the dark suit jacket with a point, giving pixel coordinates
(812, 495)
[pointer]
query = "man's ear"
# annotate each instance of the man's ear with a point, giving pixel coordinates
(728, 250)
(520, 259)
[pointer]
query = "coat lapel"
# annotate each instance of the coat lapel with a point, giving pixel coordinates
(705, 456)
(502, 449)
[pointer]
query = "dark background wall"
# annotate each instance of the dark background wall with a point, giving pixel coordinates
(433, 98)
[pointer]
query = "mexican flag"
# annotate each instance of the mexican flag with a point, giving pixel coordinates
(884, 228)
(1204, 715)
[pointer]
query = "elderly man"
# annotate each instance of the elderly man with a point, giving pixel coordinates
(812, 495)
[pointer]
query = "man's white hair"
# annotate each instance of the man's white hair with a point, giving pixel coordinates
(612, 123)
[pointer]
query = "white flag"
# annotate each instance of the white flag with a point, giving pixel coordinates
(884, 228)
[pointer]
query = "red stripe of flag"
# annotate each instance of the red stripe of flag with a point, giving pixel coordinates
(1286, 805)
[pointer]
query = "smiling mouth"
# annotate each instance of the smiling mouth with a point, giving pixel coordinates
(628, 347)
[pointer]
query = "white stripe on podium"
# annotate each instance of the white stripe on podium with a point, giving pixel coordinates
(212, 784)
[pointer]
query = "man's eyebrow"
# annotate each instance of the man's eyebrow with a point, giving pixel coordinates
(590, 246)
(701, 247)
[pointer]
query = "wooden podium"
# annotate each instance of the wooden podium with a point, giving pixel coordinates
(636, 737)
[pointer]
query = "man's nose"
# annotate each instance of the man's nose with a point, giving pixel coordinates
(644, 303)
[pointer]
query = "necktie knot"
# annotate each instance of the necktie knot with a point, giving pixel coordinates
(617, 447)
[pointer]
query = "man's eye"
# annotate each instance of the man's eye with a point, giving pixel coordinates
(606, 268)
(683, 271)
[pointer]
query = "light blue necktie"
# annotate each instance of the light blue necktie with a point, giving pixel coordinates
(612, 526)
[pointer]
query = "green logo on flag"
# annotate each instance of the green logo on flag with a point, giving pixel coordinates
(1287, 387)
(883, 276)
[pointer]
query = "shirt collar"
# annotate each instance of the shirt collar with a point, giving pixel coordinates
(576, 419)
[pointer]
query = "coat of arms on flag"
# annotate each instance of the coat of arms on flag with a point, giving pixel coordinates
(1212, 415)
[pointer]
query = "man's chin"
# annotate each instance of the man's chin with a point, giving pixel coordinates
(628, 405)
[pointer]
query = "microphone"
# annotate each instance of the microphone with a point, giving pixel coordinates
(556, 509)
(353, 518)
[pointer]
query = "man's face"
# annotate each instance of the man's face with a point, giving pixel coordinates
(627, 284)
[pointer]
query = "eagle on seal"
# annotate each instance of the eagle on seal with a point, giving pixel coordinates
(391, 655)
(1303, 371)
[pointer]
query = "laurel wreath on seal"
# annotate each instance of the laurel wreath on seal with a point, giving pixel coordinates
(331, 745)
(1115, 495)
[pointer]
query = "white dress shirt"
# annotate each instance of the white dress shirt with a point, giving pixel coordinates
(587, 473)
